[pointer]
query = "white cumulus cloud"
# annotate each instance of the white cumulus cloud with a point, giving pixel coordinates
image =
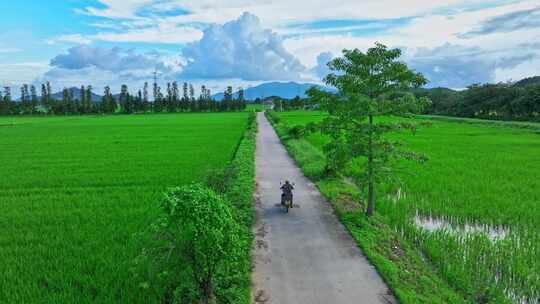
(242, 49)
(322, 69)
(115, 59)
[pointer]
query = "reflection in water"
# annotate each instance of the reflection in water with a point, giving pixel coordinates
(432, 224)
(494, 233)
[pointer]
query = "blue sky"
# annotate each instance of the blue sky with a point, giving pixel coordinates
(71, 42)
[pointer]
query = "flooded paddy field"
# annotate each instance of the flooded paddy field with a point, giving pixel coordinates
(473, 209)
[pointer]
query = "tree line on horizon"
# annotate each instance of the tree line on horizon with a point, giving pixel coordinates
(174, 99)
(519, 101)
(501, 101)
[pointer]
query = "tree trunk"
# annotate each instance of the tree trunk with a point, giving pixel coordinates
(208, 290)
(370, 204)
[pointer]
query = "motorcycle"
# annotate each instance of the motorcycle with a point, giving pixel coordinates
(286, 199)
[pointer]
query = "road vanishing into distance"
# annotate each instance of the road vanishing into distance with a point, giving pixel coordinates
(305, 256)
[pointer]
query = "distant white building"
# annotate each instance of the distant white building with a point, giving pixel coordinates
(269, 103)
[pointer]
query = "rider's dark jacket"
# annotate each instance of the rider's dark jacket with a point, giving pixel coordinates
(287, 189)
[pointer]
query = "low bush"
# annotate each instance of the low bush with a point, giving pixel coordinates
(273, 117)
(199, 238)
(296, 131)
(312, 127)
(221, 179)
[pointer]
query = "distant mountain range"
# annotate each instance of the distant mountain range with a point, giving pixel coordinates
(528, 81)
(292, 89)
(76, 94)
(281, 89)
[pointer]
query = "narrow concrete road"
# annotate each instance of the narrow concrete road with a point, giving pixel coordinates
(305, 256)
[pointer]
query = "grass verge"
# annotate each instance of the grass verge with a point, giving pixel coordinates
(408, 274)
(240, 193)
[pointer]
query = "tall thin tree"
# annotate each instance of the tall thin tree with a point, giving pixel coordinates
(34, 102)
(369, 84)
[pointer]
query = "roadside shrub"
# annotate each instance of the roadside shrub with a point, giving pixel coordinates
(337, 153)
(273, 117)
(252, 117)
(239, 192)
(312, 127)
(220, 180)
(296, 132)
(198, 240)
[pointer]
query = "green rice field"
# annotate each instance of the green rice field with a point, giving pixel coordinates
(255, 107)
(473, 210)
(75, 191)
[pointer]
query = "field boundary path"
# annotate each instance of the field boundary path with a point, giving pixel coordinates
(305, 256)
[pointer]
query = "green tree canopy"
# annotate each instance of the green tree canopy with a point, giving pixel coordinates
(199, 234)
(370, 84)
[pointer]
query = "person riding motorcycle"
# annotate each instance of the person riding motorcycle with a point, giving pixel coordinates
(287, 195)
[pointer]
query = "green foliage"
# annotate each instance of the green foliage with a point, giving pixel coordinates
(240, 195)
(284, 104)
(501, 101)
(312, 127)
(299, 130)
(444, 101)
(529, 81)
(374, 74)
(199, 236)
(296, 131)
(240, 190)
(369, 84)
(76, 192)
(273, 117)
(338, 155)
(72, 103)
(221, 179)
